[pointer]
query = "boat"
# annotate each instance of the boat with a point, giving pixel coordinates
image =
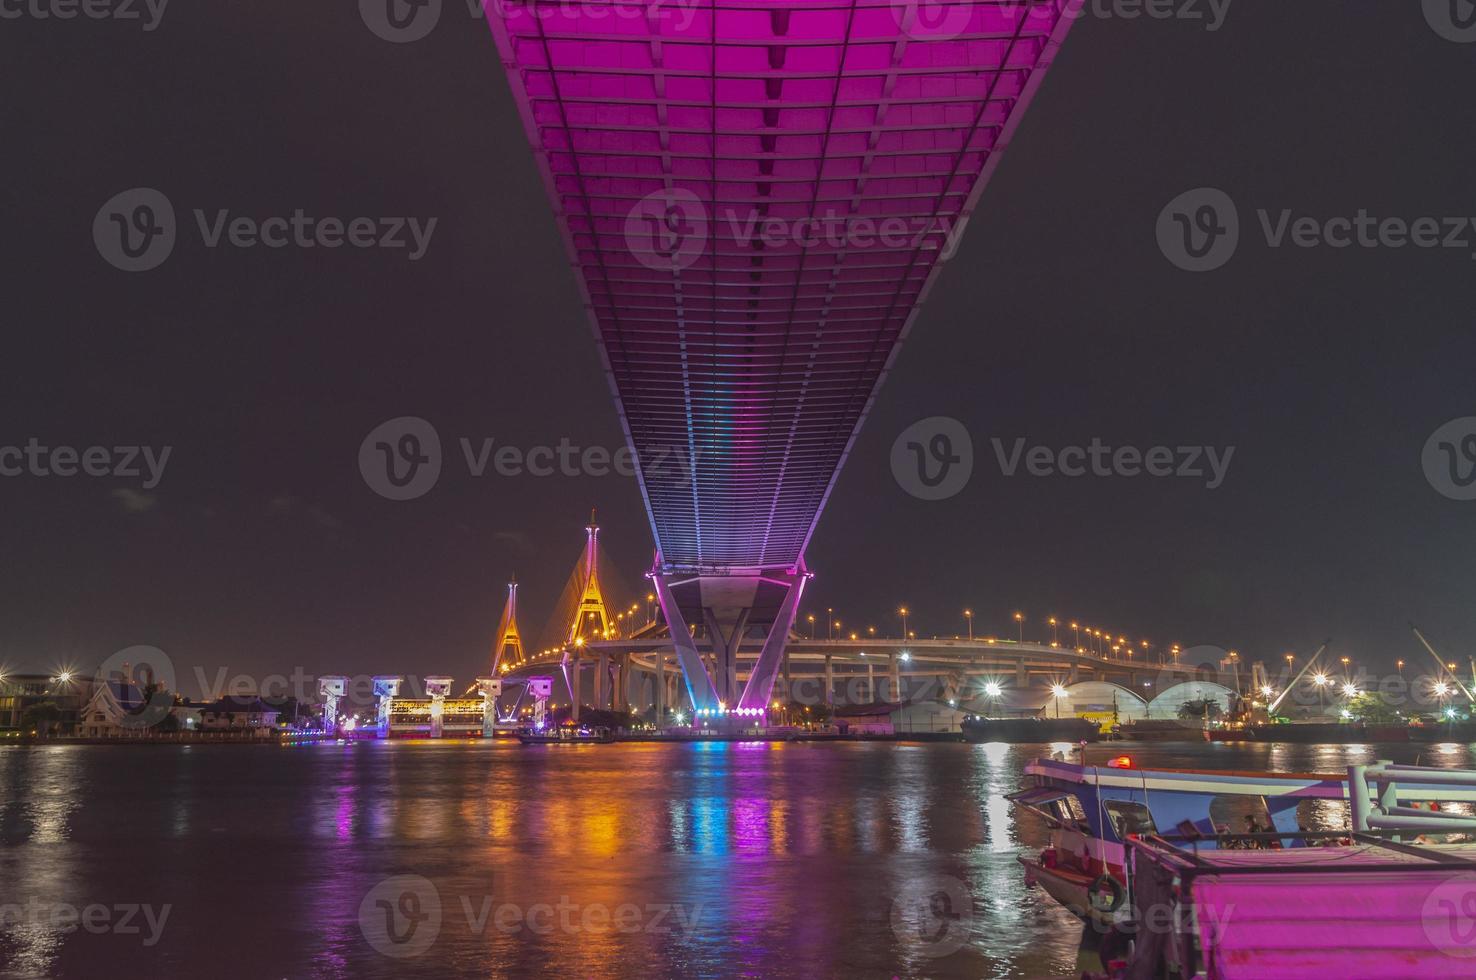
(1093, 811)
(1369, 907)
(566, 735)
(977, 729)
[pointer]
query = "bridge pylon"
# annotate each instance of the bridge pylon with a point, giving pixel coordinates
(509, 641)
(591, 612)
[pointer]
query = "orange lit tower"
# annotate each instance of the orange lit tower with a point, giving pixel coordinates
(509, 642)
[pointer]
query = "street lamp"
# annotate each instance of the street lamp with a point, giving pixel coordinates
(1020, 622)
(1052, 624)
(811, 618)
(903, 612)
(1058, 692)
(829, 628)
(1076, 634)
(969, 618)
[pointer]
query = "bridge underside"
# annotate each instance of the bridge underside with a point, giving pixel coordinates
(756, 196)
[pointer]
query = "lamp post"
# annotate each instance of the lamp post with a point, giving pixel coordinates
(969, 618)
(1020, 622)
(811, 618)
(1076, 635)
(829, 624)
(1052, 624)
(902, 611)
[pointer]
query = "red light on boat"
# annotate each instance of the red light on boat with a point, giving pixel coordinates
(1121, 762)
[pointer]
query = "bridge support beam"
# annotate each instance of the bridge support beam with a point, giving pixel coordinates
(760, 684)
(689, 658)
(725, 653)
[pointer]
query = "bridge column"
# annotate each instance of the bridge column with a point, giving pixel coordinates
(870, 683)
(829, 681)
(694, 671)
(896, 671)
(659, 694)
(1022, 676)
(571, 666)
(602, 681)
(725, 653)
(760, 685)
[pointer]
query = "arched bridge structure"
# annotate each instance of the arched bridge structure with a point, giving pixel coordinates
(756, 197)
(641, 672)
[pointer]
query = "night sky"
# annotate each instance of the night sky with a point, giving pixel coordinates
(1059, 320)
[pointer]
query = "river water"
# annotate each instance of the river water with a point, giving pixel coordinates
(483, 859)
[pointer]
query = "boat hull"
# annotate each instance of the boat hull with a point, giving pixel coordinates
(1030, 730)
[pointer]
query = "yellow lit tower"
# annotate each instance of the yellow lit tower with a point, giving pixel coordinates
(509, 649)
(590, 616)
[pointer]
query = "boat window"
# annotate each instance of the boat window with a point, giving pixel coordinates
(1233, 814)
(1129, 818)
(1072, 810)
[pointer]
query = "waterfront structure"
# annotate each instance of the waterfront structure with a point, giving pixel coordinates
(438, 714)
(332, 688)
(242, 715)
(743, 366)
(21, 692)
(118, 709)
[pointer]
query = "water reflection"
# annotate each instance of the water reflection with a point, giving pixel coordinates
(783, 861)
